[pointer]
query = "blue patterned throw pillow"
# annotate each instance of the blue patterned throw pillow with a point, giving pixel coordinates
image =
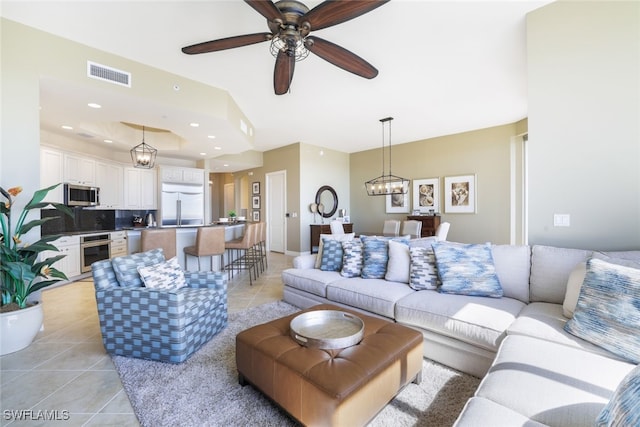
(126, 267)
(352, 258)
(423, 273)
(167, 275)
(467, 269)
(624, 407)
(608, 309)
(376, 255)
(331, 255)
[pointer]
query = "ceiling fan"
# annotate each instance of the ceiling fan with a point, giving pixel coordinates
(290, 23)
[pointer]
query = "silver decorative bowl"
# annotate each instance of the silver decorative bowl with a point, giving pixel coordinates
(327, 329)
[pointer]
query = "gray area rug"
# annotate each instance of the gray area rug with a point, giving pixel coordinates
(204, 390)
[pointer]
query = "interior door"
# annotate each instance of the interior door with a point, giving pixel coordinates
(276, 202)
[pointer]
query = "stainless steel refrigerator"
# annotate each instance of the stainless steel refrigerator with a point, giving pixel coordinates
(181, 204)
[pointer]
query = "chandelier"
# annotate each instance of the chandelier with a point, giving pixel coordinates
(143, 155)
(386, 184)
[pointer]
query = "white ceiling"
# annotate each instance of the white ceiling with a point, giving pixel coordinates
(444, 67)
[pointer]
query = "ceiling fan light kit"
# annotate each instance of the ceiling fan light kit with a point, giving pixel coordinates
(143, 155)
(386, 184)
(290, 23)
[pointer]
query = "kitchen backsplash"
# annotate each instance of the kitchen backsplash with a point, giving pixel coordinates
(87, 220)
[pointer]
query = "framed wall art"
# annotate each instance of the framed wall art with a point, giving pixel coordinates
(255, 188)
(397, 203)
(256, 216)
(460, 194)
(426, 195)
(255, 202)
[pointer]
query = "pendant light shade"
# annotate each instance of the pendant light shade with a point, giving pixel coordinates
(386, 184)
(143, 155)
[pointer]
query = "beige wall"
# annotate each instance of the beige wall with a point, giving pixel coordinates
(485, 153)
(584, 123)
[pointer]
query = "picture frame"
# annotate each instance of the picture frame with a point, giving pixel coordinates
(256, 216)
(397, 203)
(460, 194)
(255, 202)
(426, 195)
(255, 188)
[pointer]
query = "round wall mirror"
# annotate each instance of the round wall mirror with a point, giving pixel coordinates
(327, 196)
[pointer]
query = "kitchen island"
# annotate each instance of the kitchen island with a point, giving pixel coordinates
(186, 236)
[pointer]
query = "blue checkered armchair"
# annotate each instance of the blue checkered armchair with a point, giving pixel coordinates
(156, 324)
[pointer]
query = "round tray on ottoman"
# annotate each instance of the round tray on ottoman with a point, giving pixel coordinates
(327, 329)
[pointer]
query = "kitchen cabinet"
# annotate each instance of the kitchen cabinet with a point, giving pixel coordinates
(79, 170)
(181, 175)
(140, 189)
(110, 180)
(70, 247)
(51, 167)
(118, 243)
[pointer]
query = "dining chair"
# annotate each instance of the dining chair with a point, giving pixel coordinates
(209, 242)
(391, 227)
(336, 227)
(442, 231)
(412, 228)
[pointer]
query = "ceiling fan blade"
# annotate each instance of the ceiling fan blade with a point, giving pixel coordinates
(340, 57)
(332, 12)
(226, 43)
(266, 8)
(283, 74)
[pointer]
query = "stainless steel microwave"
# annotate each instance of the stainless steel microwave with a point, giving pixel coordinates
(81, 195)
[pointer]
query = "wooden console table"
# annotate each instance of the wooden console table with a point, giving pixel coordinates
(318, 229)
(429, 224)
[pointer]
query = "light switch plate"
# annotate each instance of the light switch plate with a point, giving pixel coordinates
(561, 220)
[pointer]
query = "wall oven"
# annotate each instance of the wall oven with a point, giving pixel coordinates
(94, 247)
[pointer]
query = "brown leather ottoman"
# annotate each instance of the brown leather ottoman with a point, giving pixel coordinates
(346, 387)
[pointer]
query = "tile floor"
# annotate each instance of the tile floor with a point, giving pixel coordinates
(66, 378)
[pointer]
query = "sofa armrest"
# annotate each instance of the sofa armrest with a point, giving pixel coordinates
(304, 261)
(206, 279)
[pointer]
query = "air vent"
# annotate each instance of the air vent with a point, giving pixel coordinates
(108, 74)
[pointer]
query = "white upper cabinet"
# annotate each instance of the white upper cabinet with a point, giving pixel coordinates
(79, 170)
(51, 166)
(140, 189)
(181, 175)
(110, 181)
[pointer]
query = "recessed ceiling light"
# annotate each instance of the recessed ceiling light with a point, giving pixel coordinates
(94, 105)
(67, 127)
(226, 165)
(203, 154)
(194, 125)
(211, 136)
(108, 141)
(217, 148)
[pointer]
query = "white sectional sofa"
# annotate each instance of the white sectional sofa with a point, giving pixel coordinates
(534, 372)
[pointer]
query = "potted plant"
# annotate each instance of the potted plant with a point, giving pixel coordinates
(232, 216)
(22, 270)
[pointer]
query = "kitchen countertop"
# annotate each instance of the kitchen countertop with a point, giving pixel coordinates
(90, 232)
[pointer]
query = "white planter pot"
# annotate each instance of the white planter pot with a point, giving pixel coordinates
(19, 328)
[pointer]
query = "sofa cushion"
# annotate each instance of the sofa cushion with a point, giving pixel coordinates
(399, 261)
(467, 269)
(513, 267)
(126, 267)
(545, 320)
(478, 412)
(479, 321)
(166, 275)
(377, 296)
(331, 259)
(423, 273)
(352, 258)
(339, 237)
(310, 280)
(624, 407)
(550, 383)
(608, 310)
(550, 270)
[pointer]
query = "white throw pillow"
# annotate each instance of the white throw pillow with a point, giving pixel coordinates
(339, 237)
(167, 275)
(399, 262)
(573, 289)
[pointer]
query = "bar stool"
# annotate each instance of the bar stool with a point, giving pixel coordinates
(209, 242)
(165, 238)
(241, 248)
